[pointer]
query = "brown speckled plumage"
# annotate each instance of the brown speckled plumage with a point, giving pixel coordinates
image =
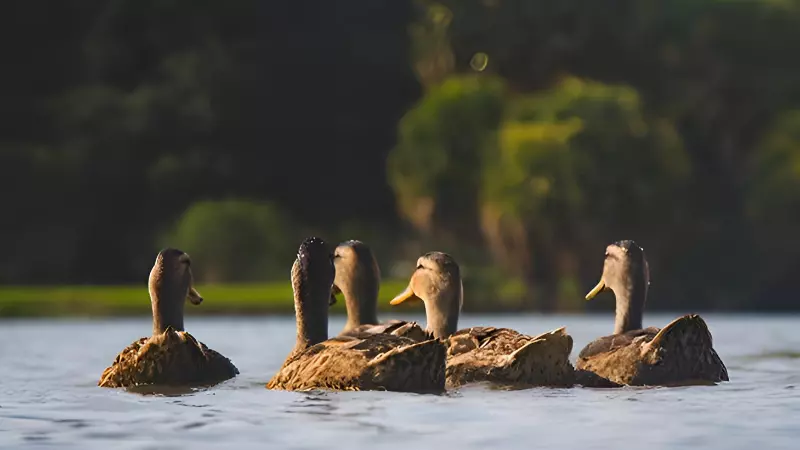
(171, 356)
(358, 360)
(411, 330)
(498, 355)
(681, 353)
(507, 357)
(370, 362)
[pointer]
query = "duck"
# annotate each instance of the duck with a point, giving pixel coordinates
(358, 279)
(353, 362)
(681, 353)
(170, 356)
(500, 356)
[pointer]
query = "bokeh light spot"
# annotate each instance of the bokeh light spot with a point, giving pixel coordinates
(479, 61)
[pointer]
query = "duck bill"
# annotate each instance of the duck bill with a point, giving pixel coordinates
(334, 290)
(597, 289)
(194, 297)
(408, 294)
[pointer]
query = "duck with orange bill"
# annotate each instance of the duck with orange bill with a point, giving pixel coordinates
(681, 353)
(500, 356)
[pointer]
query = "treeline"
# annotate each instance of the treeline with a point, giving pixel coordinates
(520, 135)
(119, 115)
(676, 124)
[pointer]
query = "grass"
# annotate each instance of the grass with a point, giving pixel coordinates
(55, 301)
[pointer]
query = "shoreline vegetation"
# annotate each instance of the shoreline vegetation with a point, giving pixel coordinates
(230, 299)
(101, 301)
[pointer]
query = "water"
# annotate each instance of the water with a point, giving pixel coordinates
(49, 399)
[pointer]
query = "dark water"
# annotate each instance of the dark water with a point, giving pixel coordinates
(49, 399)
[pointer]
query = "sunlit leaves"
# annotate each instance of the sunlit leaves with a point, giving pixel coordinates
(441, 144)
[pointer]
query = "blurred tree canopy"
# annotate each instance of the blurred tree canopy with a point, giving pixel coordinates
(534, 166)
(440, 151)
(118, 115)
(667, 122)
(555, 153)
(520, 135)
(236, 240)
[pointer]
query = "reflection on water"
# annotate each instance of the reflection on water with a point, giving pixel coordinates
(313, 404)
(49, 398)
(165, 391)
(325, 407)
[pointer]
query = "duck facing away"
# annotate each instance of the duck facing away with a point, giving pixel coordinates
(681, 353)
(171, 356)
(360, 361)
(358, 279)
(498, 355)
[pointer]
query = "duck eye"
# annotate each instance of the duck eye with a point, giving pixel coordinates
(419, 266)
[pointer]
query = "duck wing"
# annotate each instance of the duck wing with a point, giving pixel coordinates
(411, 330)
(365, 361)
(170, 359)
(612, 342)
(681, 353)
(508, 357)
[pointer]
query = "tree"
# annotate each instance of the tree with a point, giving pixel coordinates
(573, 167)
(236, 240)
(435, 169)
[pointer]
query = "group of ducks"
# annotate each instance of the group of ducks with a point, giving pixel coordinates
(403, 356)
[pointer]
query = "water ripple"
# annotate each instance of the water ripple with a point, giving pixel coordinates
(49, 397)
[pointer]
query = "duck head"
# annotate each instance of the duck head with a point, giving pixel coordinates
(312, 280)
(171, 284)
(358, 278)
(436, 281)
(627, 274)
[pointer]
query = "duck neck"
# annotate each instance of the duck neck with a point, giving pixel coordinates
(167, 311)
(630, 308)
(311, 317)
(442, 314)
(361, 305)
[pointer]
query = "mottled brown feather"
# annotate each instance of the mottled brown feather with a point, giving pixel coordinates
(411, 330)
(612, 342)
(365, 361)
(681, 353)
(506, 357)
(498, 355)
(169, 359)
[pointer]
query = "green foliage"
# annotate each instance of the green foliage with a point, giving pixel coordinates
(441, 146)
(229, 298)
(236, 240)
(702, 85)
(575, 164)
(129, 111)
(685, 138)
(581, 153)
(567, 165)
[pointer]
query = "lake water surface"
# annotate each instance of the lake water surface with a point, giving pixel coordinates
(49, 398)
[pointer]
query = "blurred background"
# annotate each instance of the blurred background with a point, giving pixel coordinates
(521, 136)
